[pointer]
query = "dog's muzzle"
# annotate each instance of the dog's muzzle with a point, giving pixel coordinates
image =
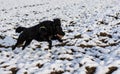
(60, 36)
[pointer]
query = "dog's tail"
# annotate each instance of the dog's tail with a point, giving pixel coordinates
(20, 29)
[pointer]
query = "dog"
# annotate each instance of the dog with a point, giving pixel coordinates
(44, 31)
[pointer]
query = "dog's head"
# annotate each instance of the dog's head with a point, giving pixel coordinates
(58, 29)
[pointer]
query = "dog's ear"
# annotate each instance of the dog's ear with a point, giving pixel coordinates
(57, 22)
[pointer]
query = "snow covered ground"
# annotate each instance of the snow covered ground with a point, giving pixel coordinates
(91, 44)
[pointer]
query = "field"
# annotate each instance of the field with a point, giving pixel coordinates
(91, 44)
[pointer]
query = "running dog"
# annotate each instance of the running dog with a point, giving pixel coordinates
(44, 31)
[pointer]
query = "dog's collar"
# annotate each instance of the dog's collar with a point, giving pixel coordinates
(42, 27)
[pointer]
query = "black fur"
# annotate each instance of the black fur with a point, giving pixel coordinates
(44, 31)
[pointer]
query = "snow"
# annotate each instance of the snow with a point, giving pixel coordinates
(91, 40)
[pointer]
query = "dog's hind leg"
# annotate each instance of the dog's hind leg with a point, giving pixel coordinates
(14, 46)
(26, 43)
(20, 41)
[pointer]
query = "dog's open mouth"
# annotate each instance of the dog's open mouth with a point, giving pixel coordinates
(60, 36)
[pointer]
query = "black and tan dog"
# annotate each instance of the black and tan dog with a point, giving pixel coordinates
(44, 31)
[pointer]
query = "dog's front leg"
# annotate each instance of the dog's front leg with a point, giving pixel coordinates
(60, 40)
(50, 44)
